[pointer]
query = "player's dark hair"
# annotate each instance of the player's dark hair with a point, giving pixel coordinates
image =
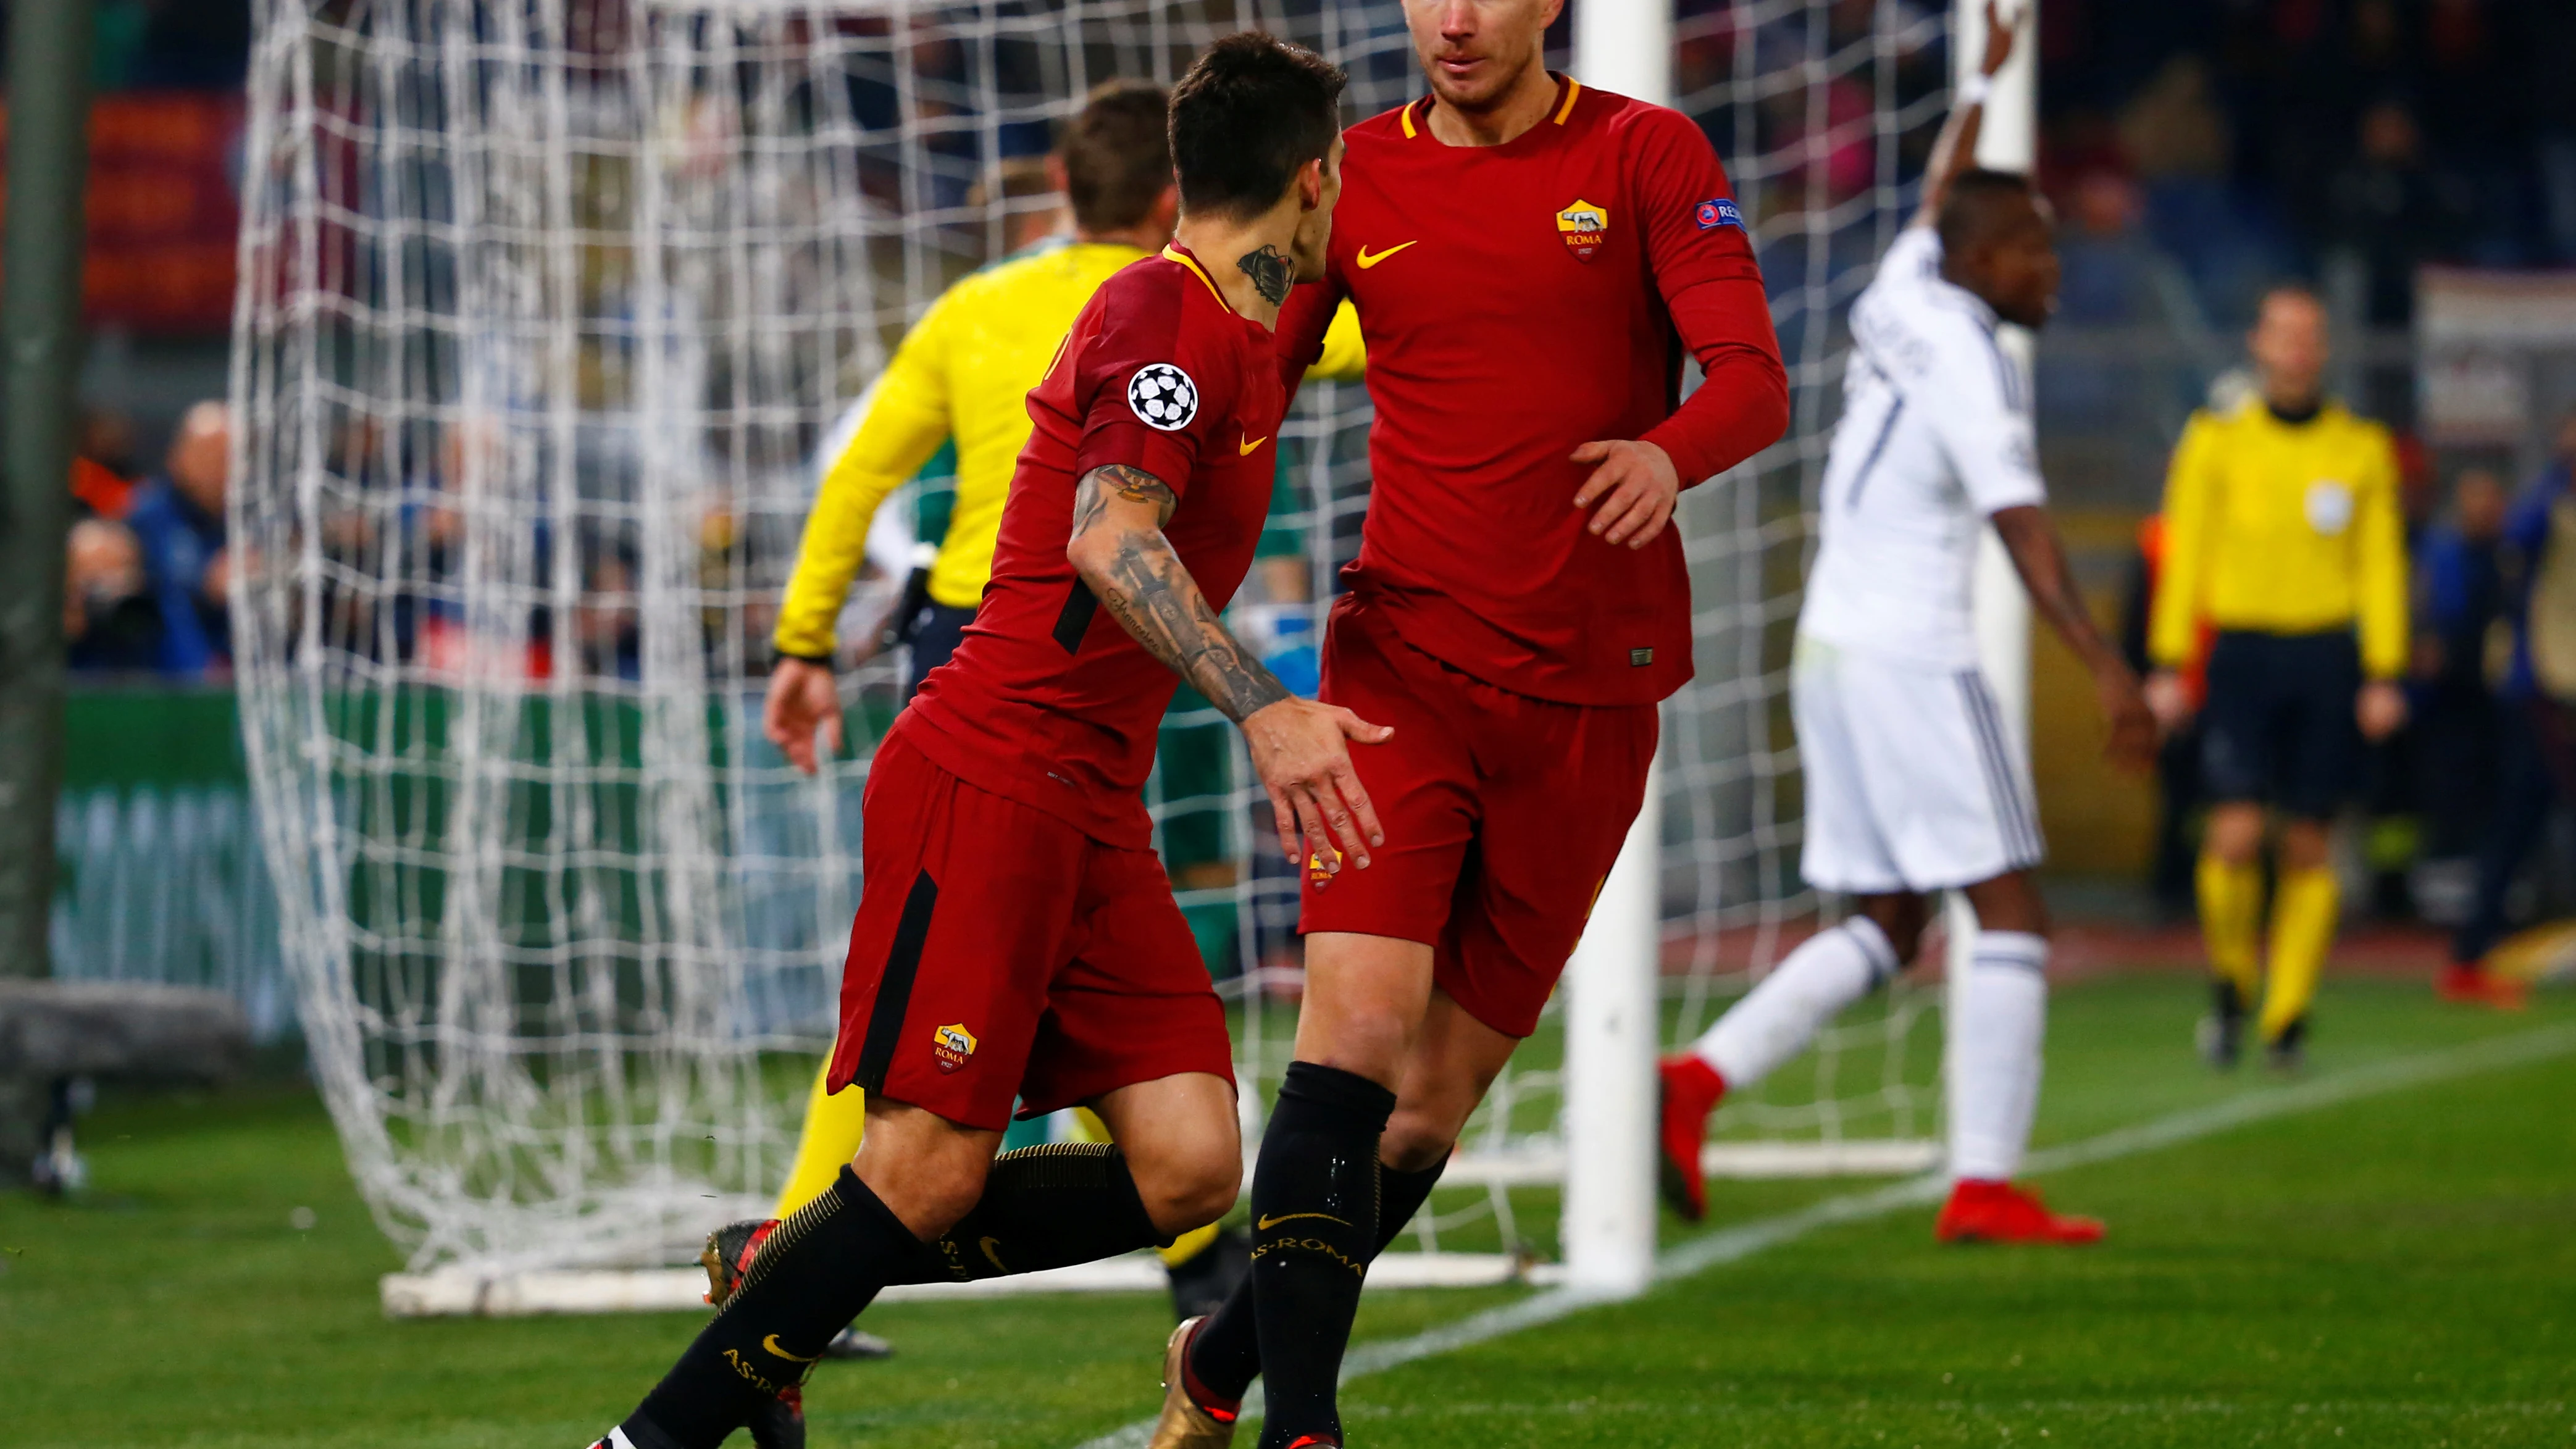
(1118, 155)
(1979, 198)
(1252, 110)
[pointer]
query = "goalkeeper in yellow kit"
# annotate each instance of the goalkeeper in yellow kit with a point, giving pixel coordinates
(2283, 535)
(962, 376)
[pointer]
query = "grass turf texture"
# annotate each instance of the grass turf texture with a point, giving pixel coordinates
(2396, 1270)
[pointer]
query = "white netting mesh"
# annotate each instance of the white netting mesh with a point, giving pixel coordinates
(546, 305)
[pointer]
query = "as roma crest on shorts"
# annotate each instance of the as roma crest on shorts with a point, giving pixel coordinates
(951, 1045)
(1317, 871)
(1584, 227)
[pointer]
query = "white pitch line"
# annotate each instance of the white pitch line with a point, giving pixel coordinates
(1729, 1245)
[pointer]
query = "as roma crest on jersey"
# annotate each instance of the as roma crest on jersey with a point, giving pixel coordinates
(1584, 227)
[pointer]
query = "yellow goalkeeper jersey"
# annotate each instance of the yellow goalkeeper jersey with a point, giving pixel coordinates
(964, 371)
(2283, 528)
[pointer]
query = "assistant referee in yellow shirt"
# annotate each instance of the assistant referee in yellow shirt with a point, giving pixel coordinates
(2282, 533)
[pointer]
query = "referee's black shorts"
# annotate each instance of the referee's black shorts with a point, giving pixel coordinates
(934, 634)
(2278, 728)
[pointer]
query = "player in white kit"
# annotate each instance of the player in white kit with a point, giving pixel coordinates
(1913, 784)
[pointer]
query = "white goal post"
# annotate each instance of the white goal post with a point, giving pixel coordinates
(1613, 983)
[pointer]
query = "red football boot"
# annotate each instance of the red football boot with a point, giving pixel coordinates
(2470, 982)
(1691, 1090)
(1982, 1211)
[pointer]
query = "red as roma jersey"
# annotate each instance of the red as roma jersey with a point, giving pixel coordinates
(1048, 701)
(1518, 301)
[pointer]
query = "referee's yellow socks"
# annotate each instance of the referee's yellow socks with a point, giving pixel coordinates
(834, 1122)
(2231, 922)
(2305, 904)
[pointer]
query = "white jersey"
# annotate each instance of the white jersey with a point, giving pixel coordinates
(1935, 437)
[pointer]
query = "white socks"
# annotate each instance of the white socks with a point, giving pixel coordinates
(1994, 1086)
(1783, 1012)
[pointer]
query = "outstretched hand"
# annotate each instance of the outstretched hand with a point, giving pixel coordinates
(2132, 746)
(2170, 700)
(1636, 485)
(802, 699)
(2380, 710)
(1301, 750)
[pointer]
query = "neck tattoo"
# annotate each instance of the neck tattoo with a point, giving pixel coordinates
(1272, 274)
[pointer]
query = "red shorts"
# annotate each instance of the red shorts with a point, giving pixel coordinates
(1000, 953)
(1503, 814)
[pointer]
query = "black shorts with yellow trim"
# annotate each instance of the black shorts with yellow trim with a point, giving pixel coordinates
(2278, 728)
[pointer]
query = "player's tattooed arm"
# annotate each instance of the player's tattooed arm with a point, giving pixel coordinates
(1300, 748)
(1271, 272)
(1119, 549)
(1134, 485)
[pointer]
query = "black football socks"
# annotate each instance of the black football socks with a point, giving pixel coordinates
(1048, 1207)
(1225, 1357)
(1314, 1229)
(812, 1276)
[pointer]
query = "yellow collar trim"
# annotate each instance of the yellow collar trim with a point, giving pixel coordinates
(1175, 254)
(1564, 108)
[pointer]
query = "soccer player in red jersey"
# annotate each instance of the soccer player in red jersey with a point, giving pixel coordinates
(1530, 259)
(1018, 940)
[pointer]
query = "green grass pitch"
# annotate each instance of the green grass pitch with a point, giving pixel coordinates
(2397, 1269)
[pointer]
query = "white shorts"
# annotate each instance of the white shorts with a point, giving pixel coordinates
(1912, 782)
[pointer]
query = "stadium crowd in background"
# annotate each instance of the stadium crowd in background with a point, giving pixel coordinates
(148, 567)
(2265, 137)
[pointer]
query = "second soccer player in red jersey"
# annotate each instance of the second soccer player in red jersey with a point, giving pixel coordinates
(1018, 940)
(1530, 260)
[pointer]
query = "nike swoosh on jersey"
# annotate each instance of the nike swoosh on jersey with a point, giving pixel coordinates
(991, 1246)
(769, 1341)
(1267, 1223)
(1244, 448)
(1366, 261)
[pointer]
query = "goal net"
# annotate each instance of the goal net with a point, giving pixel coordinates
(546, 309)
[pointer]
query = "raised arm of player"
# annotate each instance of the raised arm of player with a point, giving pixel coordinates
(1299, 747)
(1955, 149)
(1704, 268)
(2039, 556)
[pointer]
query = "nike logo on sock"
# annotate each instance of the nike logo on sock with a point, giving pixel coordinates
(1267, 1223)
(769, 1341)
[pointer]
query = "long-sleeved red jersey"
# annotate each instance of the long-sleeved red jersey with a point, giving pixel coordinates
(1519, 301)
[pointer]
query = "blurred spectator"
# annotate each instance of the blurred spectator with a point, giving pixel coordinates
(110, 624)
(2551, 100)
(2395, 210)
(178, 518)
(2460, 600)
(2174, 127)
(2106, 260)
(2537, 763)
(102, 464)
(607, 623)
(107, 439)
